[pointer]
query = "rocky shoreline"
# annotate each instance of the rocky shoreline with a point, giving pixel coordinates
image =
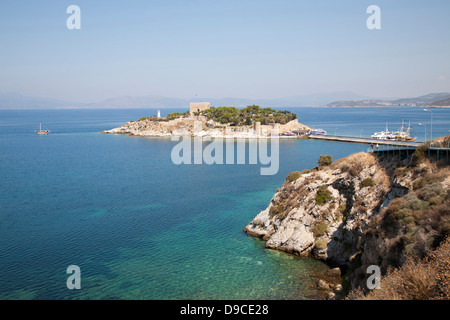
(339, 214)
(197, 126)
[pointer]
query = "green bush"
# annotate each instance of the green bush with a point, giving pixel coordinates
(323, 195)
(248, 115)
(368, 182)
(325, 161)
(319, 229)
(293, 176)
(276, 210)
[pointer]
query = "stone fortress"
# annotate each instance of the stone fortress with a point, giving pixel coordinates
(199, 106)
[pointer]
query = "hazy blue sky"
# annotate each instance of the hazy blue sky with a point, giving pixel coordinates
(246, 48)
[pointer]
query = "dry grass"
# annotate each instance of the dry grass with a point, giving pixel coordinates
(427, 279)
(360, 159)
(355, 163)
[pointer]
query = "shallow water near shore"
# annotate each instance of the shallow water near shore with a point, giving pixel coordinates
(140, 227)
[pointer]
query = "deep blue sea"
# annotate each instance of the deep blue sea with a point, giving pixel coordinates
(141, 227)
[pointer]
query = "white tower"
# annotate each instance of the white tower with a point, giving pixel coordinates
(159, 114)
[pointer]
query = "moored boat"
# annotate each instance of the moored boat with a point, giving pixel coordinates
(318, 132)
(383, 135)
(403, 135)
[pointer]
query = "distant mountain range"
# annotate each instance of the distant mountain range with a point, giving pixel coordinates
(432, 99)
(19, 101)
(12, 100)
(441, 103)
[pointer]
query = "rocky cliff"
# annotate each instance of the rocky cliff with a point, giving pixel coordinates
(345, 213)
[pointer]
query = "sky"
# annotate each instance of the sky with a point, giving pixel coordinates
(217, 48)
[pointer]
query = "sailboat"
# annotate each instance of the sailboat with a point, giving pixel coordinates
(403, 135)
(42, 132)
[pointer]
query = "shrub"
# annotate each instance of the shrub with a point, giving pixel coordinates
(343, 209)
(276, 210)
(426, 279)
(368, 182)
(319, 229)
(321, 244)
(293, 176)
(325, 161)
(435, 201)
(353, 171)
(430, 191)
(419, 155)
(413, 203)
(323, 195)
(429, 178)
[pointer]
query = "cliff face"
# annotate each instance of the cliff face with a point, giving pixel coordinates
(341, 214)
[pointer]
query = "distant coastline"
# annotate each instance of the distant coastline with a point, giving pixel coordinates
(15, 101)
(382, 106)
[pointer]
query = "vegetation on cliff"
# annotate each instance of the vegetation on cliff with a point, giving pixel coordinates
(417, 279)
(248, 115)
(234, 116)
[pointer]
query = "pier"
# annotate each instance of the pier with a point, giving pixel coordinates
(392, 148)
(392, 143)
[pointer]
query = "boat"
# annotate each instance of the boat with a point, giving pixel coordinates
(42, 132)
(383, 135)
(318, 132)
(402, 135)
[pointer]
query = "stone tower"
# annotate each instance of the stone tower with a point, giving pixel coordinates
(199, 106)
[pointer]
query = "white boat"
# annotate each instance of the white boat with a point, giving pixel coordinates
(42, 132)
(318, 132)
(383, 135)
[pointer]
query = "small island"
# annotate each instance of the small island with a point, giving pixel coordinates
(221, 122)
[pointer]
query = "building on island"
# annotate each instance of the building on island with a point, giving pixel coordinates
(199, 106)
(159, 114)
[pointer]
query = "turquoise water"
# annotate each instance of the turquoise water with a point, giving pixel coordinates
(138, 226)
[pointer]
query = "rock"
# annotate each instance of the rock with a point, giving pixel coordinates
(344, 227)
(336, 272)
(323, 285)
(331, 295)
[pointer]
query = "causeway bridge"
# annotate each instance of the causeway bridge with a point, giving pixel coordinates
(393, 148)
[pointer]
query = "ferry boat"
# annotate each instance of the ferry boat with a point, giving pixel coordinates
(42, 132)
(383, 135)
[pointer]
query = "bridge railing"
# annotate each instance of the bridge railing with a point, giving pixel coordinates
(438, 144)
(387, 147)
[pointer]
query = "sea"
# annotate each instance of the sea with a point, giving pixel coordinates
(139, 226)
